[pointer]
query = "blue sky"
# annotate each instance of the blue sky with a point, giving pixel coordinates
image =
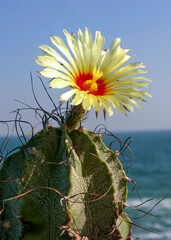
(143, 26)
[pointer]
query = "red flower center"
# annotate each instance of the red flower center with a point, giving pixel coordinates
(86, 83)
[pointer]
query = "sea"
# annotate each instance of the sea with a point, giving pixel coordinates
(146, 158)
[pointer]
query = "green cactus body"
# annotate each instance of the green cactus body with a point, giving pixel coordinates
(77, 188)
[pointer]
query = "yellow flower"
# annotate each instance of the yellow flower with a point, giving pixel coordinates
(96, 77)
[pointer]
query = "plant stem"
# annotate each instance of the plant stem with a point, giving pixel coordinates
(74, 117)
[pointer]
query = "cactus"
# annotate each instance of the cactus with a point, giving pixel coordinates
(69, 185)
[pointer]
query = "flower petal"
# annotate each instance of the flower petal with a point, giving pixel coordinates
(96, 49)
(115, 57)
(79, 96)
(120, 101)
(51, 73)
(94, 102)
(126, 71)
(50, 62)
(86, 103)
(46, 61)
(131, 92)
(73, 44)
(59, 83)
(51, 52)
(105, 105)
(66, 96)
(122, 83)
(59, 43)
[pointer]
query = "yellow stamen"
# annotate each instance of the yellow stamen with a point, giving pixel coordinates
(91, 84)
